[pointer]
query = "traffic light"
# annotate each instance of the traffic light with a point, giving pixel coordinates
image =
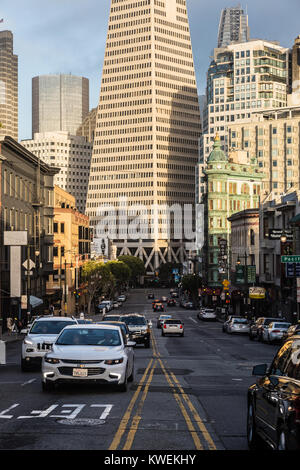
(77, 294)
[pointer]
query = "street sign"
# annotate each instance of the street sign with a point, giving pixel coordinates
(251, 274)
(292, 269)
(257, 292)
(276, 234)
(290, 259)
(240, 274)
(31, 264)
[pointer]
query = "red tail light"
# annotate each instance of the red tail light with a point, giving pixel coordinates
(181, 326)
(165, 326)
(276, 331)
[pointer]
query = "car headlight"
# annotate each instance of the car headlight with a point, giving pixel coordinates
(27, 341)
(112, 362)
(51, 360)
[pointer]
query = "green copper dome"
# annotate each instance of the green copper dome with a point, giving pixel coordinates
(217, 155)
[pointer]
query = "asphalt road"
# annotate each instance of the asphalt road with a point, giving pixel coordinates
(189, 393)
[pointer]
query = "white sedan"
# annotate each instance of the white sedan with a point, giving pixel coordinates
(172, 327)
(207, 314)
(274, 331)
(96, 353)
(238, 325)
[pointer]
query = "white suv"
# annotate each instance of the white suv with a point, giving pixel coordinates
(39, 339)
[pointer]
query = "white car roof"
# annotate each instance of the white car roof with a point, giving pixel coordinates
(94, 326)
(55, 318)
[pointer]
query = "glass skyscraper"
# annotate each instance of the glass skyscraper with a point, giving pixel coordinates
(59, 103)
(233, 26)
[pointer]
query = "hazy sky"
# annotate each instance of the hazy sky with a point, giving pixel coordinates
(68, 36)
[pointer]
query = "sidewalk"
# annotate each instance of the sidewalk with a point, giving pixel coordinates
(10, 338)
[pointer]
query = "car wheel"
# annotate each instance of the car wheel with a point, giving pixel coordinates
(254, 441)
(131, 377)
(182, 334)
(281, 439)
(123, 387)
(251, 337)
(162, 333)
(48, 386)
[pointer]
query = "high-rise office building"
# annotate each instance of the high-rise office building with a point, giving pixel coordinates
(59, 103)
(148, 125)
(70, 153)
(242, 79)
(233, 26)
(8, 86)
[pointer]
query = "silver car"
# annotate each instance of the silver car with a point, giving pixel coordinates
(172, 327)
(207, 314)
(89, 354)
(275, 331)
(39, 339)
(238, 325)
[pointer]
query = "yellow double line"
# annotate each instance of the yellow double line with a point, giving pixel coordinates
(180, 397)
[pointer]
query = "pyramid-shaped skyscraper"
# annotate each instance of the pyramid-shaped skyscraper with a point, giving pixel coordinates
(147, 128)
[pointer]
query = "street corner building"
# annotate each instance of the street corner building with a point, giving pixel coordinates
(26, 233)
(147, 126)
(233, 184)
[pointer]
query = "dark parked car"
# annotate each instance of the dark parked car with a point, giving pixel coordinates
(274, 401)
(257, 328)
(121, 324)
(171, 303)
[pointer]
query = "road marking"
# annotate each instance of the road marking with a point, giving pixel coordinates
(191, 407)
(122, 427)
(193, 320)
(137, 418)
(28, 382)
(4, 416)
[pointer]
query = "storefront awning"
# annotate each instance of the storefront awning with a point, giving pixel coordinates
(35, 301)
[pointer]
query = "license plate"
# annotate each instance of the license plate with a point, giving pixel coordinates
(80, 372)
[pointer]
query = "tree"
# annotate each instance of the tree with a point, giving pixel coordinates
(166, 271)
(121, 271)
(135, 264)
(98, 278)
(192, 284)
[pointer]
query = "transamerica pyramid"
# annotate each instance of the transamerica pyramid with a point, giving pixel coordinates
(147, 130)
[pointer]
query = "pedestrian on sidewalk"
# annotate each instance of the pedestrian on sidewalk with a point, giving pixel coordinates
(9, 324)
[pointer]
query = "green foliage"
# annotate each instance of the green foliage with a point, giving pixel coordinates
(120, 270)
(135, 265)
(191, 283)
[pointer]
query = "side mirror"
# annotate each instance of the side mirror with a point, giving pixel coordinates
(24, 331)
(131, 344)
(260, 369)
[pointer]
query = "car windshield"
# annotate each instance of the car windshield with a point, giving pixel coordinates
(49, 327)
(112, 317)
(89, 337)
(240, 320)
(172, 322)
(162, 317)
(134, 320)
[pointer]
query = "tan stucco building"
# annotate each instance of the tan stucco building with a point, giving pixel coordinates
(71, 249)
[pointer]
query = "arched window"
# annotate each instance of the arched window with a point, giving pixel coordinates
(252, 237)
